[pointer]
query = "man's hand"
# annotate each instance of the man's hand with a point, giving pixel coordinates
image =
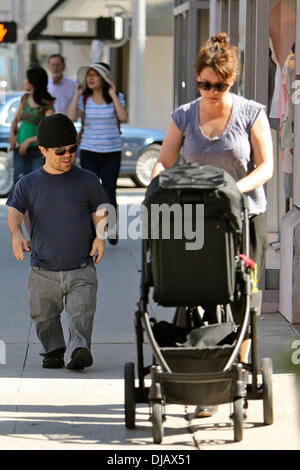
(19, 245)
(98, 249)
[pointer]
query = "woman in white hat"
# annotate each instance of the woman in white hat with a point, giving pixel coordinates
(101, 109)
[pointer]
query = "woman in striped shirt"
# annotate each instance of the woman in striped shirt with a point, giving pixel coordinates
(101, 109)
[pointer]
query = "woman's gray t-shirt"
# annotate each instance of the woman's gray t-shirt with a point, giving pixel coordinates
(231, 150)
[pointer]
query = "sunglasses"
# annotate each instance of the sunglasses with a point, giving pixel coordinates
(62, 150)
(217, 86)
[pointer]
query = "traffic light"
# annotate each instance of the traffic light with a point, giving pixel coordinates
(8, 31)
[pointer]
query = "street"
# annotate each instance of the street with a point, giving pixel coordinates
(44, 409)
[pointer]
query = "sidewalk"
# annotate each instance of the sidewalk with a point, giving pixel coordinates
(44, 409)
(59, 409)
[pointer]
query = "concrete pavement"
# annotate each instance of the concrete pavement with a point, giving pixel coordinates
(44, 409)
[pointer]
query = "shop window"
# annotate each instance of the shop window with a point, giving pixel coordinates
(282, 36)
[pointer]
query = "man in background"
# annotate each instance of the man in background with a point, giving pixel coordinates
(59, 86)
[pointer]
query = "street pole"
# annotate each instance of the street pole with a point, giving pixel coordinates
(137, 63)
(20, 19)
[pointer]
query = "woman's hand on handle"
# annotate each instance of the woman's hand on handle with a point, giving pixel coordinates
(170, 149)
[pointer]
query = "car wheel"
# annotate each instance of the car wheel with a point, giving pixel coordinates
(144, 165)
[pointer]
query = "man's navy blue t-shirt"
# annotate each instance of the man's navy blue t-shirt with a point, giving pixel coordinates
(60, 208)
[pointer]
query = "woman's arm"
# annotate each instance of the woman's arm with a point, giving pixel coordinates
(24, 145)
(74, 112)
(121, 111)
(170, 149)
(49, 112)
(262, 148)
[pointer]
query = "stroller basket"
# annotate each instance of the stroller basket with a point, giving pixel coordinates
(207, 389)
(206, 351)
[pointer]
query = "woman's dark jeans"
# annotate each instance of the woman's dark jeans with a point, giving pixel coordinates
(106, 166)
(24, 164)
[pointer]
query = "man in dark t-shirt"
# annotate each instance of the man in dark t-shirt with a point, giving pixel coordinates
(67, 221)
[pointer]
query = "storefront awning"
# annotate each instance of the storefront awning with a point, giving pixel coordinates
(75, 19)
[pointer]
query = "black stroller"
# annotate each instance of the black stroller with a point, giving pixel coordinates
(195, 361)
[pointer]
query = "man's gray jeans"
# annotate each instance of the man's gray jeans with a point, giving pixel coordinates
(50, 292)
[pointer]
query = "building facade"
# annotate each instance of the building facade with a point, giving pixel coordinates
(142, 63)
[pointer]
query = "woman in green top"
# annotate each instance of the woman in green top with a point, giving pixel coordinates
(35, 104)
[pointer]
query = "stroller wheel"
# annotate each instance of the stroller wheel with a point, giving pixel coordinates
(157, 422)
(266, 368)
(130, 405)
(238, 416)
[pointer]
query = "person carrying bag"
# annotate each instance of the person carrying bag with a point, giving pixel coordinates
(101, 109)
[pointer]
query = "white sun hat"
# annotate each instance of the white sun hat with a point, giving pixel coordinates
(101, 69)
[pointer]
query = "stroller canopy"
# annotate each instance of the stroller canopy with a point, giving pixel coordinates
(214, 186)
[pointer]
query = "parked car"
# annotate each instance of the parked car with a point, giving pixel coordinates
(141, 146)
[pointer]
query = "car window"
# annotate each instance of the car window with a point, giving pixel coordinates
(10, 111)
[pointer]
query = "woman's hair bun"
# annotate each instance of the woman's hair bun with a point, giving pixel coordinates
(221, 38)
(219, 54)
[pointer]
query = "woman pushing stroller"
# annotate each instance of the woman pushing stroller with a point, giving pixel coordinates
(225, 130)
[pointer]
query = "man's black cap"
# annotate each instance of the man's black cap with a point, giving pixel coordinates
(56, 130)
